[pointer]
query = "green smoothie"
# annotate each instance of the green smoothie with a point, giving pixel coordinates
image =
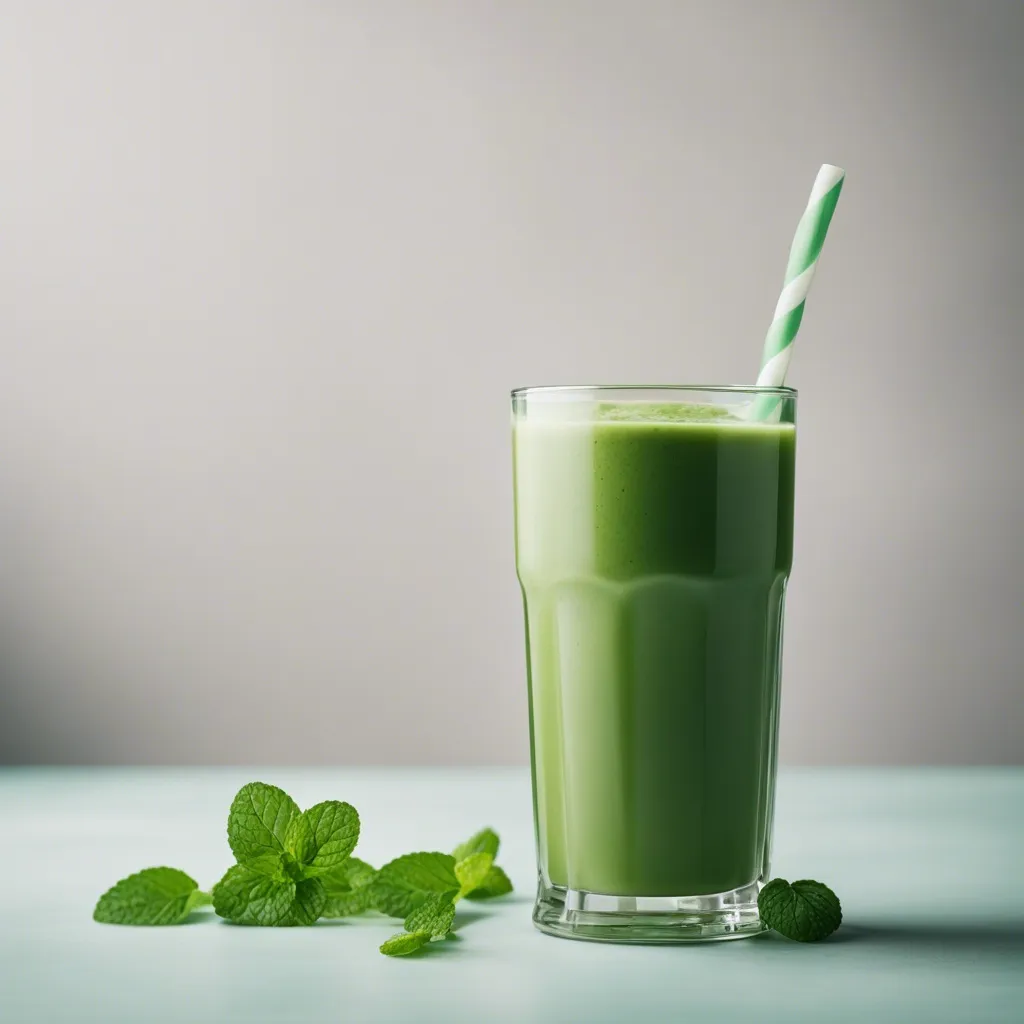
(653, 545)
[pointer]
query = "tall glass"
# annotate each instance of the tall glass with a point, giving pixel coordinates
(654, 538)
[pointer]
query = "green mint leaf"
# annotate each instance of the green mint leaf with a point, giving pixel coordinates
(434, 916)
(497, 883)
(323, 837)
(805, 911)
(347, 904)
(405, 943)
(246, 896)
(403, 884)
(290, 868)
(358, 872)
(348, 888)
(152, 896)
(472, 871)
(310, 900)
(485, 841)
(257, 825)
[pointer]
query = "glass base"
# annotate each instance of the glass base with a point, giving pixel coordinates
(596, 917)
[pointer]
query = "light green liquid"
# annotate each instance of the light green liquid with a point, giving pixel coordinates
(653, 545)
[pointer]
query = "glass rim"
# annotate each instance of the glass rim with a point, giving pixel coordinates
(733, 389)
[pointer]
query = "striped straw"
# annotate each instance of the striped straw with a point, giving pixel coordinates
(803, 260)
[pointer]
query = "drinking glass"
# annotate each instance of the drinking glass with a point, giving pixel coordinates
(654, 537)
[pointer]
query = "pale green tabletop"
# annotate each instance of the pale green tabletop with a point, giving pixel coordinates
(927, 863)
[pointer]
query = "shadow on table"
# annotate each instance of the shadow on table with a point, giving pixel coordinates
(1005, 938)
(470, 912)
(467, 916)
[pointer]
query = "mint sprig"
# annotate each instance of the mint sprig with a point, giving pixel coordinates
(153, 896)
(431, 884)
(495, 882)
(403, 884)
(806, 911)
(281, 851)
(293, 867)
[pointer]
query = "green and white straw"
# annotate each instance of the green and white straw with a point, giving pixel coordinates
(803, 260)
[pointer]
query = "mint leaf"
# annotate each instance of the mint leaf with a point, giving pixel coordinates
(497, 883)
(322, 837)
(310, 899)
(348, 888)
(434, 916)
(150, 897)
(405, 943)
(403, 884)
(247, 896)
(257, 825)
(348, 904)
(485, 841)
(806, 911)
(432, 919)
(358, 872)
(472, 872)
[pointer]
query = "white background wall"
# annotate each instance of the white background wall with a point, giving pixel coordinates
(268, 270)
